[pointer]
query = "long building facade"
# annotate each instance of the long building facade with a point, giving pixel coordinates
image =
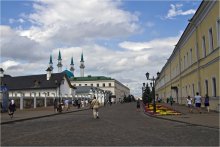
(195, 62)
(117, 89)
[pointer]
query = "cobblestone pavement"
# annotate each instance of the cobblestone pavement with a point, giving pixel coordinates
(119, 124)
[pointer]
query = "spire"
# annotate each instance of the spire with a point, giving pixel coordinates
(51, 62)
(59, 56)
(59, 65)
(82, 57)
(72, 61)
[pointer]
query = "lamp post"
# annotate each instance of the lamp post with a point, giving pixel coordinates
(153, 89)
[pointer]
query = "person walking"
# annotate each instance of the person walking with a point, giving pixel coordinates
(206, 102)
(11, 108)
(95, 106)
(138, 105)
(55, 105)
(189, 103)
(171, 100)
(198, 100)
(66, 104)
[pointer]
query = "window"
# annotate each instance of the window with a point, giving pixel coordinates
(85, 84)
(48, 93)
(92, 85)
(39, 94)
(109, 84)
(79, 84)
(206, 87)
(214, 87)
(187, 59)
(210, 40)
(184, 63)
(190, 55)
(203, 46)
(218, 31)
(103, 84)
(97, 85)
(186, 91)
(193, 89)
(74, 84)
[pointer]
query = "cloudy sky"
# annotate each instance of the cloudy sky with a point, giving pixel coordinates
(122, 39)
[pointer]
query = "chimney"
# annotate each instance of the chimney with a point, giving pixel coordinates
(48, 73)
(1, 73)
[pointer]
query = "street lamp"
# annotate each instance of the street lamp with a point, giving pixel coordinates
(153, 89)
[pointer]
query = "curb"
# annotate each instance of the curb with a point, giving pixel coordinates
(154, 116)
(36, 117)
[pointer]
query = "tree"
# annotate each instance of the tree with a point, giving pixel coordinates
(147, 95)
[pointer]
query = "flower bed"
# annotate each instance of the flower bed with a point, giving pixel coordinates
(160, 110)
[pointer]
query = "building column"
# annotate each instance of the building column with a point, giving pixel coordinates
(45, 101)
(21, 103)
(35, 101)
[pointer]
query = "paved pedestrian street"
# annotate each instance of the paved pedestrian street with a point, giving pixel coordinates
(119, 125)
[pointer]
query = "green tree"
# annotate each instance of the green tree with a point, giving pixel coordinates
(146, 94)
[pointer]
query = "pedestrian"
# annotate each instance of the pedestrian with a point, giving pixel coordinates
(198, 100)
(171, 100)
(138, 105)
(95, 106)
(11, 108)
(189, 103)
(66, 102)
(55, 105)
(206, 102)
(79, 103)
(167, 100)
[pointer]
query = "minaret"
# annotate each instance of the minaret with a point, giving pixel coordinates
(51, 63)
(59, 65)
(72, 66)
(82, 66)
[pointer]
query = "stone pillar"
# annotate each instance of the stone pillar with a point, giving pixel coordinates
(35, 101)
(21, 103)
(45, 101)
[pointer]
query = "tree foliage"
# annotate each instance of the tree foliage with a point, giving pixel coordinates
(147, 95)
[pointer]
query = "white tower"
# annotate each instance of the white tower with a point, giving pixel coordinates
(82, 66)
(72, 66)
(59, 65)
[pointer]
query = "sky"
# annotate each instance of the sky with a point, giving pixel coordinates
(121, 39)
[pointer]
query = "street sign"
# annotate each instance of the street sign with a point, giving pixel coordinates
(4, 88)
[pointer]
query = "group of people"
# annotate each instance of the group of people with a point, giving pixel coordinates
(197, 102)
(95, 104)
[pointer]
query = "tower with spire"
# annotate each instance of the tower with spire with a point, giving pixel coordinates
(72, 66)
(82, 66)
(51, 63)
(59, 65)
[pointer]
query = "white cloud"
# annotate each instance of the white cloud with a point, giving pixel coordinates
(161, 43)
(73, 21)
(20, 20)
(9, 63)
(16, 47)
(176, 10)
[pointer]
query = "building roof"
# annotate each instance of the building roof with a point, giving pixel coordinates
(68, 73)
(34, 81)
(91, 78)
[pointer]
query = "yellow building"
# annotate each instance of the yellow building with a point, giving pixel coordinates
(194, 64)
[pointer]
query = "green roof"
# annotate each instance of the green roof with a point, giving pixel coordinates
(91, 78)
(69, 74)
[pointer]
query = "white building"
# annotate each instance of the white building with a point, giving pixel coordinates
(118, 90)
(40, 89)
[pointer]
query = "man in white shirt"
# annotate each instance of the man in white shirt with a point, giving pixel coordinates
(198, 101)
